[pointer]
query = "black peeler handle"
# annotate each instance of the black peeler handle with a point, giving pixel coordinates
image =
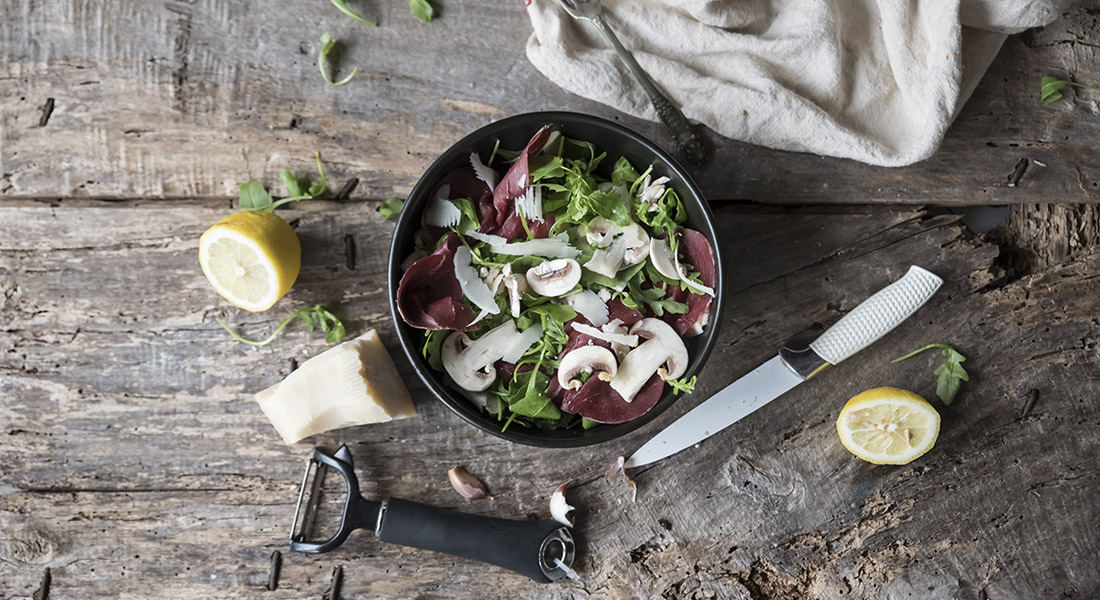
(526, 547)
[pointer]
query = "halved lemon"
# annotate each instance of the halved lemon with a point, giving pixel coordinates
(888, 426)
(251, 258)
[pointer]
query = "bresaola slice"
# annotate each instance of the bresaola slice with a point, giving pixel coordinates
(697, 253)
(429, 295)
(515, 181)
(597, 401)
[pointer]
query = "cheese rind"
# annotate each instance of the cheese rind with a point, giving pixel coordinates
(352, 384)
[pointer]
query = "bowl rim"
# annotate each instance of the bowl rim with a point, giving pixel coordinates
(406, 226)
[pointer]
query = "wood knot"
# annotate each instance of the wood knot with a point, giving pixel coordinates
(30, 546)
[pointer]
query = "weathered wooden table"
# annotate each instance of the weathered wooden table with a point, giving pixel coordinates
(134, 463)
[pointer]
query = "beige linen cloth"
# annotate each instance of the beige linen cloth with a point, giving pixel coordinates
(875, 81)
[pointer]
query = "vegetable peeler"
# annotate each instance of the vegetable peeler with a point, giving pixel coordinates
(542, 550)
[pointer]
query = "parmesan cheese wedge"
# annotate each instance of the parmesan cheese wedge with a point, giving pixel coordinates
(352, 384)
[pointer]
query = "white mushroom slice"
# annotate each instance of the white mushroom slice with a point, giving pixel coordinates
(637, 244)
(483, 172)
(472, 285)
(442, 212)
(559, 508)
(651, 192)
(590, 306)
(660, 254)
(522, 344)
(586, 359)
(554, 277)
(493, 279)
(515, 284)
(615, 245)
(625, 339)
(663, 353)
(470, 363)
(600, 232)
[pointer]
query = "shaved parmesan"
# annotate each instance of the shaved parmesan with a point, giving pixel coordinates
(521, 344)
(529, 206)
(698, 288)
(546, 247)
(442, 212)
(472, 285)
(614, 338)
(488, 238)
(590, 306)
(483, 173)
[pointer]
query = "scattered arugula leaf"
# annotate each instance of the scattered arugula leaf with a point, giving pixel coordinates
(469, 220)
(623, 172)
(950, 374)
(332, 326)
(342, 5)
(587, 423)
(254, 197)
(327, 44)
(679, 386)
(391, 207)
(1050, 88)
(422, 9)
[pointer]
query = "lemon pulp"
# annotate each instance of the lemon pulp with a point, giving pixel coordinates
(250, 258)
(888, 426)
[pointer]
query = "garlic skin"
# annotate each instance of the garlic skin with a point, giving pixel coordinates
(619, 467)
(467, 485)
(559, 508)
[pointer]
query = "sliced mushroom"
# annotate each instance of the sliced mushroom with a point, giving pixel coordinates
(660, 254)
(663, 353)
(586, 359)
(470, 363)
(554, 277)
(516, 285)
(615, 246)
(652, 192)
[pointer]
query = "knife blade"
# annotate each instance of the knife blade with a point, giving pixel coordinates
(861, 327)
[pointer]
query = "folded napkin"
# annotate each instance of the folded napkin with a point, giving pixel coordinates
(877, 81)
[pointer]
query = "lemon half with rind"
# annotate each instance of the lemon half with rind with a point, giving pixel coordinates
(251, 258)
(888, 426)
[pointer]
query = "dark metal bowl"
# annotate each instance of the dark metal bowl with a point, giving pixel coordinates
(513, 133)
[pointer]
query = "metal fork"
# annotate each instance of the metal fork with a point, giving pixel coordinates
(691, 147)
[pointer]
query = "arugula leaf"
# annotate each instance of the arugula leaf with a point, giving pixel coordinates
(422, 10)
(293, 186)
(679, 386)
(330, 324)
(391, 207)
(327, 44)
(254, 197)
(623, 173)
(653, 297)
(553, 167)
(342, 5)
(589, 423)
(1050, 88)
(949, 375)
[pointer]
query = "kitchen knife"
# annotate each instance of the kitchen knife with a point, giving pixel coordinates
(866, 323)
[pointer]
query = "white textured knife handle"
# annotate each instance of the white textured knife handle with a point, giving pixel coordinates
(877, 315)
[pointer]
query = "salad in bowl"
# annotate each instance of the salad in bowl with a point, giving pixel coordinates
(552, 297)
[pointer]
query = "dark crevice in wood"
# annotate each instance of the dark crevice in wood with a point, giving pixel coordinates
(47, 110)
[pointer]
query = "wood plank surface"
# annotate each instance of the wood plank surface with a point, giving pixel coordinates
(134, 463)
(188, 98)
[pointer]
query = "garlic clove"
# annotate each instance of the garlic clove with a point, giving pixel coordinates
(618, 467)
(467, 485)
(559, 508)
